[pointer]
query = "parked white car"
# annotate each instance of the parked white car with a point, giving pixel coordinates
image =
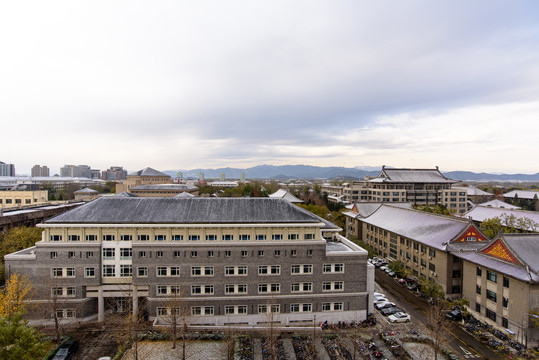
(380, 300)
(384, 304)
(399, 317)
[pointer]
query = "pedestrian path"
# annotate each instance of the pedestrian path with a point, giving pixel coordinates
(257, 349)
(322, 353)
(289, 349)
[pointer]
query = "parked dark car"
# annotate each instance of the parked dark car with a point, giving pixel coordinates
(66, 351)
(390, 311)
(454, 315)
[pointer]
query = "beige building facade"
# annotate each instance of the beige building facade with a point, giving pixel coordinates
(20, 198)
(146, 176)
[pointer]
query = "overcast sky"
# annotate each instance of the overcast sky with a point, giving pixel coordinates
(197, 84)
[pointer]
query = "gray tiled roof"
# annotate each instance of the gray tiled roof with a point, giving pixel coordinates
(85, 191)
(120, 210)
(482, 213)
(184, 195)
(412, 176)
(165, 187)
(522, 194)
(499, 204)
(285, 194)
(524, 246)
(430, 229)
(148, 172)
(125, 194)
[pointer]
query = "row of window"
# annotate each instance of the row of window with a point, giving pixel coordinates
(492, 276)
(192, 237)
(208, 289)
(126, 270)
(127, 253)
(18, 201)
(242, 309)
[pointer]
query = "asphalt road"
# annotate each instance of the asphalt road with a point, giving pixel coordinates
(462, 343)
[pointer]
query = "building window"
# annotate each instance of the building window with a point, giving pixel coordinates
(177, 237)
(478, 308)
(126, 270)
(301, 287)
(309, 252)
(302, 269)
(332, 286)
(109, 271)
(309, 236)
(293, 252)
(277, 237)
(126, 237)
(158, 254)
(492, 276)
(505, 282)
(73, 238)
(293, 236)
(211, 253)
(244, 253)
(143, 237)
(108, 253)
(142, 271)
(277, 252)
(505, 322)
(177, 253)
(272, 288)
(228, 237)
(142, 254)
(160, 237)
(161, 271)
(423, 262)
(89, 272)
(455, 289)
(228, 253)
(54, 254)
(478, 289)
(260, 252)
(194, 237)
(333, 268)
(245, 237)
(337, 306)
(89, 254)
(260, 237)
(202, 289)
(194, 253)
(126, 254)
(479, 271)
(432, 253)
(202, 271)
(56, 238)
(108, 237)
(490, 314)
(456, 274)
(505, 302)
(491, 295)
(202, 310)
(211, 237)
(301, 307)
(235, 289)
(91, 237)
(273, 308)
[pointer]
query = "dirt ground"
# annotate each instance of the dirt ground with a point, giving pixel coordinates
(195, 350)
(94, 343)
(421, 351)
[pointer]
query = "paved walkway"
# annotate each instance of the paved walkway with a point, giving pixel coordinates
(322, 353)
(257, 349)
(289, 349)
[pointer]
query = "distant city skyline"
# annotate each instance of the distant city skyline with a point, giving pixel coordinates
(186, 85)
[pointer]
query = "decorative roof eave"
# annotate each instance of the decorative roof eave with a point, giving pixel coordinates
(185, 225)
(500, 250)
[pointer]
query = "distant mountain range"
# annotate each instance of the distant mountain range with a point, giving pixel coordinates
(286, 172)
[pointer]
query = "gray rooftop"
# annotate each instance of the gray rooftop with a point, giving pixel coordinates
(430, 229)
(148, 172)
(412, 176)
(285, 194)
(482, 213)
(85, 191)
(499, 204)
(125, 194)
(124, 210)
(166, 187)
(522, 194)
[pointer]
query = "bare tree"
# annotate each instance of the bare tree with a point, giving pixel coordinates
(177, 316)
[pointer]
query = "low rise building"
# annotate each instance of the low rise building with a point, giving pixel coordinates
(234, 260)
(146, 176)
(502, 284)
(85, 194)
(163, 190)
(19, 198)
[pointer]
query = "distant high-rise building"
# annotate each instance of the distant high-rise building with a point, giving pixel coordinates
(242, 177)
(81, 171)
(201, 176)
(39, 171)
(222, 176)
(7, 169)
(179, 175)
(114, 173)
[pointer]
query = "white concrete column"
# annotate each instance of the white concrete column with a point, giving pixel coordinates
(100, 305)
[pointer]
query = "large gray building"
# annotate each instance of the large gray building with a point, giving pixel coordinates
(233, 260)
(7, 169)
